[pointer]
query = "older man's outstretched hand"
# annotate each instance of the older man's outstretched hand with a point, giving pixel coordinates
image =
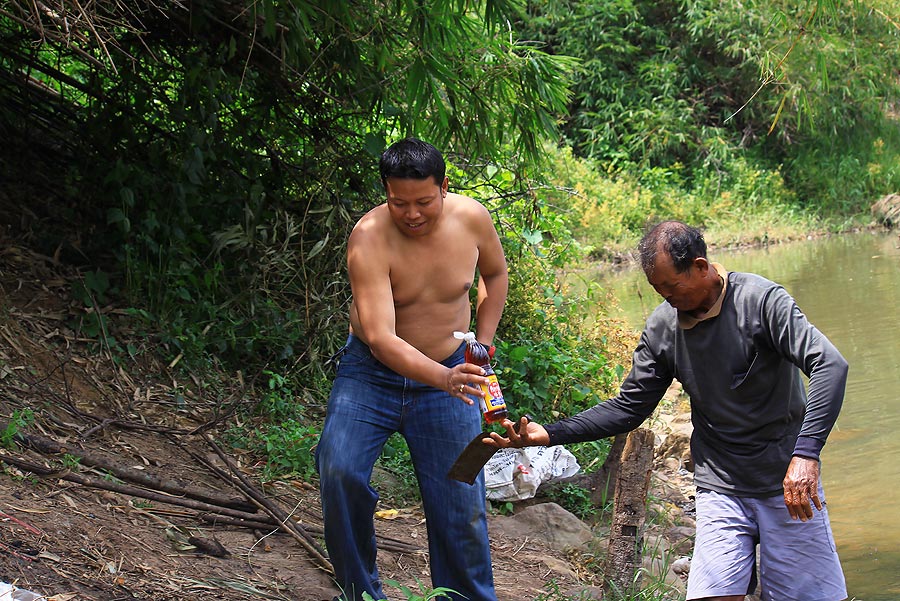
(530, 434)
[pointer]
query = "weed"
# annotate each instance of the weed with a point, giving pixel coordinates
(423, 594)
(591, 455)
(554, 594)
(70, 461)
(574, 499)
(21, 418)
(278, 402)
(506, 508)
(288, 448)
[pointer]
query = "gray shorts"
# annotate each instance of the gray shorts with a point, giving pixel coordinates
(797, 560)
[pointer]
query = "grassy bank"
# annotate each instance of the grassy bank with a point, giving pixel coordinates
(743, 203)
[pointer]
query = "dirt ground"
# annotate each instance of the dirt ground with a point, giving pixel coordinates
(68, 540)
(74, 542)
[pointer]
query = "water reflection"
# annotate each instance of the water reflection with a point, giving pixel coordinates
(848, 287)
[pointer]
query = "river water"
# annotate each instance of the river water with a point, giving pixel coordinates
(849, 287)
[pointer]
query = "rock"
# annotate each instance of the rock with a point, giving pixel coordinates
(677, 445)
(658, 569)
(664, 512)
(681, 539)
(682, 566)
(558, 566)
(384, 481)
(688, 522)
(655, 546)
(549, 522)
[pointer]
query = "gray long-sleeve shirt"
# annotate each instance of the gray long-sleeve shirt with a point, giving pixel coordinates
(741, 369)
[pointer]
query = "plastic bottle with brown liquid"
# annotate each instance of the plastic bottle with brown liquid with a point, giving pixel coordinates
(493, 407)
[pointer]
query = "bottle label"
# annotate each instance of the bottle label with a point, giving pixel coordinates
(493, 397)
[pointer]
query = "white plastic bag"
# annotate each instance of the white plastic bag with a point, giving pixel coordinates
(516, 474)
(9, 592)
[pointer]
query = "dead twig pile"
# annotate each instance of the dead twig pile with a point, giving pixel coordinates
(207, 505)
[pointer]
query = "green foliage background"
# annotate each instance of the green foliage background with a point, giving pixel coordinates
(202, 164)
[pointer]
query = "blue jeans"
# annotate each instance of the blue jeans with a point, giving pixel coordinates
(368, 403)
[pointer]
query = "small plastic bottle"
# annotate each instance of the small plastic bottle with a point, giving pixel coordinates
(492, 404)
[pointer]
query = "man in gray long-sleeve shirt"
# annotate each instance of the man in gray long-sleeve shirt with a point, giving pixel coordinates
(737, 342)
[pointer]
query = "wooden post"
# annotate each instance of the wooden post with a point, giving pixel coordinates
(623, 559)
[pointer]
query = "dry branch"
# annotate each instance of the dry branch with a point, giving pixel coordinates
(133, 491)
(385, 543)
(887, 210)
(267, 505)
(47, 446)
(14, 553)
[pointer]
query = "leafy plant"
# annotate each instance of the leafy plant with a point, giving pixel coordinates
(672, 102)
(553, 593)
(278, 402)
(288, 448)
(422, 594)
(504, 508)
(20, 418)
(574, 499)
(110, 477)
(70, 461)
(591, 455)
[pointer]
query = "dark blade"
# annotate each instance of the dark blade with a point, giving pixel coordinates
(473, 459)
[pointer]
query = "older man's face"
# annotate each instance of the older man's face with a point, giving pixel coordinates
(688, 291)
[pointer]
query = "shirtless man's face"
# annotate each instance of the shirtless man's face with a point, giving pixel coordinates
(415, 205)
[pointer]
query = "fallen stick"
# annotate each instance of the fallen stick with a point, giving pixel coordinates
(124, 489)
(264, 503)
(48, 446)
(16, 520)
(14, 553)
(385, 543)
(221, 520)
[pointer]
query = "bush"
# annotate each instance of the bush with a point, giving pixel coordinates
(552, 356)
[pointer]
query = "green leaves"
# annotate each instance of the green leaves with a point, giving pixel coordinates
(20, 419)
(656, 77)
(422, 594)
(234, 149)
(555, 375)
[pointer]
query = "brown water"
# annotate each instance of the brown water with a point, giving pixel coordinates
(849, 287)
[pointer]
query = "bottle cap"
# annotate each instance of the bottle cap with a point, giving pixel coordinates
(467, 336)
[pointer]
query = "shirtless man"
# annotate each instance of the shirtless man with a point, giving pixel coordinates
(412, 263)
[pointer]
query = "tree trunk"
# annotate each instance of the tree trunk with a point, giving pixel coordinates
(623, 560)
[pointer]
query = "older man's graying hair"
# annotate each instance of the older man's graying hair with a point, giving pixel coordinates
(678, 240)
